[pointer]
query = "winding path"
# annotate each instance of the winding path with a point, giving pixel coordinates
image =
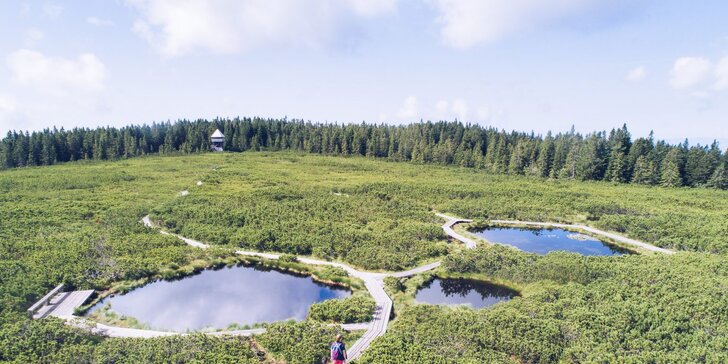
(373, 281)
(447, 227)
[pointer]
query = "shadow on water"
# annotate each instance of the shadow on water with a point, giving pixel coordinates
(460, 291)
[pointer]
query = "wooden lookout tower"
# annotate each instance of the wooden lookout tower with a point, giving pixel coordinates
(218, 140)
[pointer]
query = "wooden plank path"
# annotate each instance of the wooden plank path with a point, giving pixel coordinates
(447, 227)
(63, 304)
(373, 281)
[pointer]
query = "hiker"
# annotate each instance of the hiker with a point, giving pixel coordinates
(338, 351)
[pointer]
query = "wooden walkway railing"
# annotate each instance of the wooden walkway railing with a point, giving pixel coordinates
(43, 301)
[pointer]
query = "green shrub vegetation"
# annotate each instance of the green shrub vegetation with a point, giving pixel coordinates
(286, 203)
(357, 308)
(301, 342)
(660, 309)
(288, 258)
(51, 341)
(78, 223)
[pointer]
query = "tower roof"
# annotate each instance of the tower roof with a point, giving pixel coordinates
(217, 134)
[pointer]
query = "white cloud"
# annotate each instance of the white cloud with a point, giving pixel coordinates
(8, 112)
(99, 22)
(448, 110)
(690, 71)
(33, 35)
(441, 108)
(52, 10)
(56, 75)
(408, 109)
(7, 104)
(460, 109)
(721, 74)
(637, 74)
(226, 26)
(466, 23)
(25, 9)
(491, 116)
(372, 7)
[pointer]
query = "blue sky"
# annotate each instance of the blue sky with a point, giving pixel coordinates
(518, 64)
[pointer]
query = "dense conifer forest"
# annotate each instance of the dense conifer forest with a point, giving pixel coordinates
(599, 156)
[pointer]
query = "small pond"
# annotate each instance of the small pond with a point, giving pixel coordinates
(543, 241)
(217, 298)
(458, 291)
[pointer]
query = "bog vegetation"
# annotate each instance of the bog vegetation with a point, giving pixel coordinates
(358, 308)
(575, 309)
(78, 223)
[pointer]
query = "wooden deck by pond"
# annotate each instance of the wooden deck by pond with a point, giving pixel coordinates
(61, 304)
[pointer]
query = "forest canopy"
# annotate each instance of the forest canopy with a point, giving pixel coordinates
(598, 156)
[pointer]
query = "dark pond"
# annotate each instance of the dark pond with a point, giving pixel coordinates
(543, 241)
(477, 294)
(217, 298)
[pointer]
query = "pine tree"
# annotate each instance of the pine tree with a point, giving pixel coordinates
(8, 146)
(570, 164)
(719, 179)
(48, 151)
(671, 170)
(518, 159)
(501, 157)
(617, 170)
(618, 165)
(644, 171)
(479, 158)
(418, 154)
(593, 158)
(546, 156)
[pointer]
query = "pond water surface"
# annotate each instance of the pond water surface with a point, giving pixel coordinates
(543, 241)
(458, 291)
(217, 298)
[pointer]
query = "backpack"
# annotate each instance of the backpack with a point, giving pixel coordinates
(337, 351)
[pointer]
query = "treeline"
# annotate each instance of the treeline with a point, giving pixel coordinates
(598, 156)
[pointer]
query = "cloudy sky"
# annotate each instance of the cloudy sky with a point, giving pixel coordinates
(514, 64)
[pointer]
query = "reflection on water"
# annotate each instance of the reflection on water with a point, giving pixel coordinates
(477, 294)
(217, 298)
(543, 241)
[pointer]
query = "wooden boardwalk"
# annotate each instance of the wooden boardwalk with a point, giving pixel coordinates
(373, 281)
(63, 304)
(447, 227)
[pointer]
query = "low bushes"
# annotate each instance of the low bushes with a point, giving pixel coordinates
(358, 308)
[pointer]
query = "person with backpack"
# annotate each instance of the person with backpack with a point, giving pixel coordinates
(338, 351)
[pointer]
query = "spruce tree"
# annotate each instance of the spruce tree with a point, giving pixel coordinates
(670, 176)
(644, 171)
(546, 156)
(719, 179)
